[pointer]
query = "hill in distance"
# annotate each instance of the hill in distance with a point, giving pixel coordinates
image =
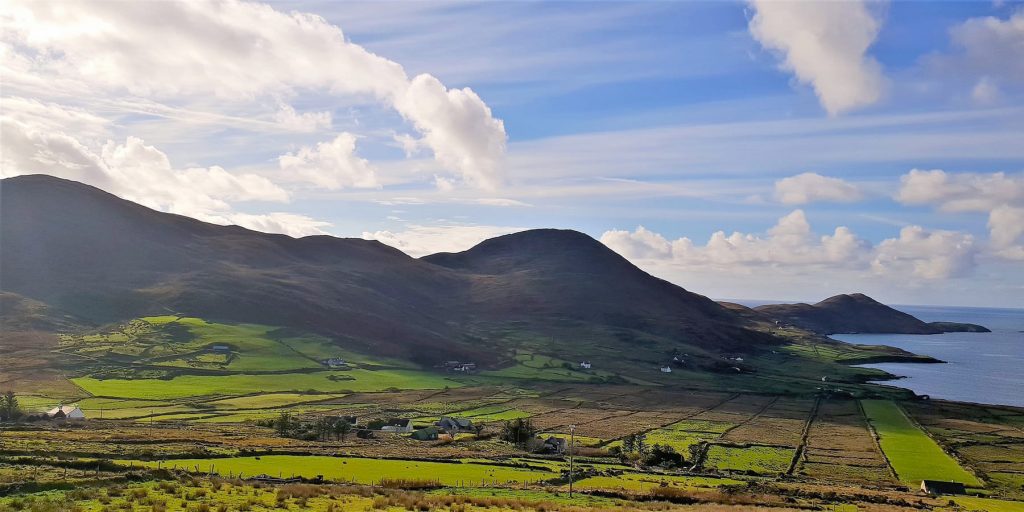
(857, 313)
(77, 250)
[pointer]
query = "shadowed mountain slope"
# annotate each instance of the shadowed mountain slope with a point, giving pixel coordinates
(857, 313)
(95, 256)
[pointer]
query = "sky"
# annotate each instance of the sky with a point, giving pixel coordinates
(743, 150)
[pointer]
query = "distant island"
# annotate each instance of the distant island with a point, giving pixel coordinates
(857, 313)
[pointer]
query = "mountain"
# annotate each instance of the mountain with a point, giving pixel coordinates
(95, 257)
(857, 313)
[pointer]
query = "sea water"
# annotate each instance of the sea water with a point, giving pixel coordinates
(985, 368)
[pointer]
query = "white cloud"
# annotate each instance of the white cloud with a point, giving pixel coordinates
(810, 187)
(791, 245)
(444, 185)
(290, 224)
(789, 242)
(420, 240)
(142, 173)
(960, 192)
(459, 126)
(500, 201)
(1006, 230)
(238, 52)
(985, 91)
(992, 47)
(998, 194)
(926, 254)
(825, 45)
(332, 165)
(287, 117)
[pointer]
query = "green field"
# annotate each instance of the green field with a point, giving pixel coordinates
(242, 384)
(976, 504)
(360, 470)
(913, 454)
(757, 459)
(646, 482)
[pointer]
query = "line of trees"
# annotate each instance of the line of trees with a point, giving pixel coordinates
(635, 450)
(320, 429)
(10, 410)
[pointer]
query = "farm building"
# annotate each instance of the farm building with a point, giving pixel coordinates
(335, 362)
(936, 487)
(220, 348)
(451, 424)
(666, 369)
(425, 434)
(555, 444)
(585, 365)
(351, 420)
(66, 411)
(401, 426)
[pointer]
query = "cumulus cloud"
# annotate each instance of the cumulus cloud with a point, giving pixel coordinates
(792, 244)
(239, 51)
(960, 192)
(290, 224)
(810, 187)
(926, 254)
(287, 117)
(142, 173)
(419, 240)
(1006, 229)
(332, 165)
(992, 47)
(999, 194)
(789, 242)
(825, 45)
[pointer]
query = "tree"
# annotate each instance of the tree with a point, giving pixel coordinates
(635, 443)
(342, 429)
(518, 432)
(695, 450)
(10, 410)
(323, 427)
(284, 424)
(664, 456)
(478, 428)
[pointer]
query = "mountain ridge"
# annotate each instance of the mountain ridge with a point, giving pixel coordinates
(857, 313)
(95, 256)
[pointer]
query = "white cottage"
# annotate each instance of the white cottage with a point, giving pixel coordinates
(666, 369)
(66, 411)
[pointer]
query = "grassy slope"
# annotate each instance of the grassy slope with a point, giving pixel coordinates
(913, 454)
(361, 470)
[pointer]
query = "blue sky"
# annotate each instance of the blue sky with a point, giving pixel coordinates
(837, 146)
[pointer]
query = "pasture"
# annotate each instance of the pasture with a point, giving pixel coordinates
(913, 455)
(358, 470)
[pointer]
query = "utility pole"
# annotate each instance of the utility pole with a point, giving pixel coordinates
(572, 446)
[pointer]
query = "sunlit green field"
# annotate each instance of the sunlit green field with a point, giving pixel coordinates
(241, 384)
(757, 459)
(359, 470)
(913, 454)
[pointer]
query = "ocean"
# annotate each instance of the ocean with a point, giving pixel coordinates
(983, 368)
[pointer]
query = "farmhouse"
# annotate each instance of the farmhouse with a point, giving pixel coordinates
(351, 420)
(66, 411)
(555, 444)
(335, 362)
(398, 425)
(220, 348)
(936, 487)
(585, 365)
(453, 425)
(425, 434)
(666, 369)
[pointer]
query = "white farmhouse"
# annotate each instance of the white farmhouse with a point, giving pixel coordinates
(66, 411)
